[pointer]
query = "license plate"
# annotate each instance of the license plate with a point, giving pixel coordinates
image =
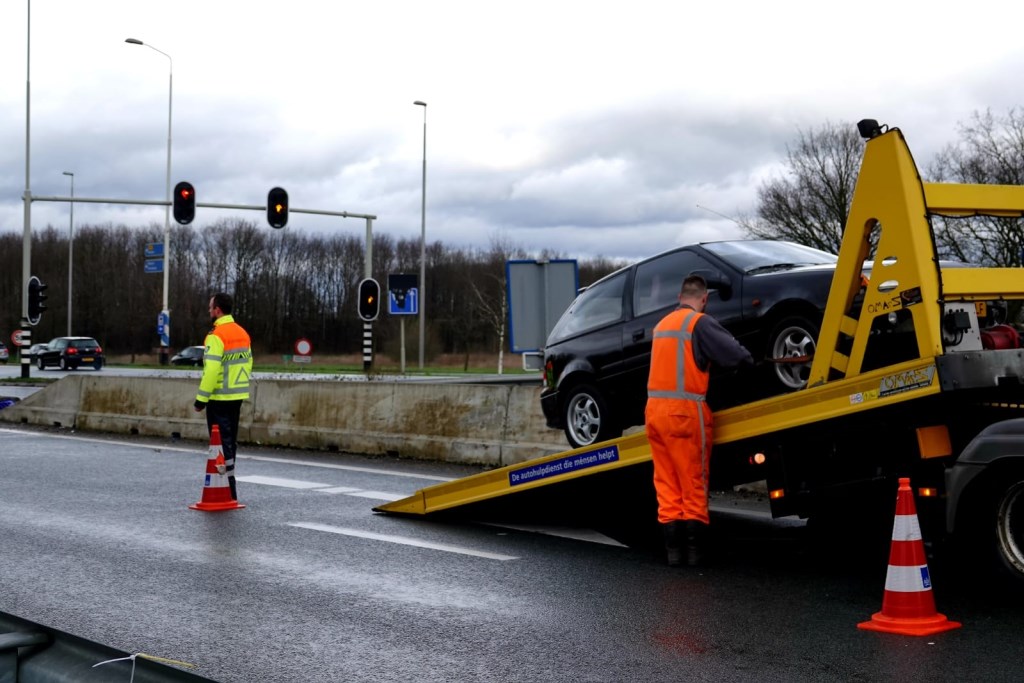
(87, 359)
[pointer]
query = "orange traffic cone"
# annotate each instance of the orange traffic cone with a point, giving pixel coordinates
(216, 489)
(908, 606)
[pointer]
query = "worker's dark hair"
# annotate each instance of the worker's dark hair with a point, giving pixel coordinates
(694, 287)
(224, 302)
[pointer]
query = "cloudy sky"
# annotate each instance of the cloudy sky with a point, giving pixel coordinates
(590, 128)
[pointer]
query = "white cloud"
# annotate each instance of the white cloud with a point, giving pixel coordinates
(588, 128)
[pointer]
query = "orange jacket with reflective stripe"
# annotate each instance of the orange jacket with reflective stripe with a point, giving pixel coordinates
(672, 359)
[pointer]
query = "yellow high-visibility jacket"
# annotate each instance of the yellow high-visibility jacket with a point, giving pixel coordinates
(227, 363)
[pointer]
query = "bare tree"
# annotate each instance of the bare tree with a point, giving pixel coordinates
(488, 283)
(810, 204)
(990, 151)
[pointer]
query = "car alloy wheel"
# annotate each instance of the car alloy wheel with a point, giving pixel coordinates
(794, 337)
(586, 417)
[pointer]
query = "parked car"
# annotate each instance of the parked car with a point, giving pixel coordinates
(70, 353)
(191, 355)
(771, 295)
(5, 355)
(33, 350)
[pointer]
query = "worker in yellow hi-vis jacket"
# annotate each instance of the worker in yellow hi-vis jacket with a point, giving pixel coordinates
(227, 367)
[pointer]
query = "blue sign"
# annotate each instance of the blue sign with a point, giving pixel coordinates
(154, 249)
(409, 305)
(154, 265)
(566, 465)
(163, 327)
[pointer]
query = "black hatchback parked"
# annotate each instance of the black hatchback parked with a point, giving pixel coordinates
(771, 295)
(70, 353)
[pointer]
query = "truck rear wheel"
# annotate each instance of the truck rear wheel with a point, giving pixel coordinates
(1009, 531)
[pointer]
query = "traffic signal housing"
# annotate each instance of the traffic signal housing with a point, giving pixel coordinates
(184, 202)
(369, 299)
(36, 297)
(277, 208)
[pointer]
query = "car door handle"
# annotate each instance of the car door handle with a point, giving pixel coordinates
(638, 335)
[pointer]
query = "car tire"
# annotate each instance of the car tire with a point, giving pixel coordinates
(63, 364)
(39, 363)
(792, 337)
(587, 418)
(98, 365)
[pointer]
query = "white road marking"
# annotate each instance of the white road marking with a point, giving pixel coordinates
(280, 481)
(379, 495)
(239, 456)
(402, 540)
(587, 535)
(337, 489)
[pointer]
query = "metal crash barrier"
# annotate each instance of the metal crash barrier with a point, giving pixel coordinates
(31, 653)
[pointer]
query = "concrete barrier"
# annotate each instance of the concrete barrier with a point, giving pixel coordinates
(489, 424)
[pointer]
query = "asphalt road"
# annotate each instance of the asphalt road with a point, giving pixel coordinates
(307, 584)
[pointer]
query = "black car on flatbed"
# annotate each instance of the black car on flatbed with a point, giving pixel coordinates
(770, 294)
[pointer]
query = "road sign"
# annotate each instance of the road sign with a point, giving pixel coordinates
(154, 250)
(538, 294)
(154, 265)
(16, 337)
(303, 347)
(163, 327)
(403, 294)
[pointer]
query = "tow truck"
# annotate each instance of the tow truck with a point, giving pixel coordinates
(944, 405)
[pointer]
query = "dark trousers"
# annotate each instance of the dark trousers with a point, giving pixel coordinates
(225, 415)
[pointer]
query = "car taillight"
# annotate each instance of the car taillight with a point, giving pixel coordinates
(72, 351)
(99, 349)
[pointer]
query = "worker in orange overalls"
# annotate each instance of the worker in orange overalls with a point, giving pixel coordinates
(678, 421)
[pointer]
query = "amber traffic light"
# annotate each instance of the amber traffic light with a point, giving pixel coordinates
(277, 207)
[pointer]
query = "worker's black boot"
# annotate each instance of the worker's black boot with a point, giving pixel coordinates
(696, 540)
(673, 543)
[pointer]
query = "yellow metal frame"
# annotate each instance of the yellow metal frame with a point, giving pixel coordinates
(890, 199)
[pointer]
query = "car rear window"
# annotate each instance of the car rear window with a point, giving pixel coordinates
(83, 343)
(598, 305)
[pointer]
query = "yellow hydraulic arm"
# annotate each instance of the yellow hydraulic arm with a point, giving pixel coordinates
(892, 204)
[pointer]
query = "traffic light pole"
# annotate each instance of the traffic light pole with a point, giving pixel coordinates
(27, 246)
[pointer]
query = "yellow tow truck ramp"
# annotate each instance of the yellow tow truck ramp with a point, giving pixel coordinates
(871, 409)
(607, 456)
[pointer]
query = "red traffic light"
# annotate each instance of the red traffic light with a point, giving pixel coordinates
(184, 202)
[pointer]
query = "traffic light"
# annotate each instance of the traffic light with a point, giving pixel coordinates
(369, 299)
(36, 297)
(277, 208)
(184, 202)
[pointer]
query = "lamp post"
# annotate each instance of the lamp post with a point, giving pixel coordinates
(71, 246)
(165, 338)
(423, 235)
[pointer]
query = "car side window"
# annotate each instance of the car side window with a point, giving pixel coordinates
(598, 305)
(658, 281)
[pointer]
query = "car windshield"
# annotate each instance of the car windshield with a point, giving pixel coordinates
(762, 256)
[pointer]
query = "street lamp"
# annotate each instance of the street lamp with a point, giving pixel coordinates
(423, 234)
(166, 337)
(71, 246)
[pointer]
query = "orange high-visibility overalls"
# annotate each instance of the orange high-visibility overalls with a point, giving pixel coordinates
(678, 421)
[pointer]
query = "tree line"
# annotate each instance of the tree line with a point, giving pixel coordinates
(286, 285)
(810, 201)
